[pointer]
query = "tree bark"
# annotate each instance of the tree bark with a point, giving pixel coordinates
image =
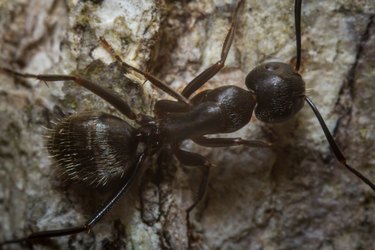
(295, 196)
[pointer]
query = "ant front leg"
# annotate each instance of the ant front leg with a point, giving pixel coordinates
(229, 142)
(207, 74)
(107, 95)
(91, 222)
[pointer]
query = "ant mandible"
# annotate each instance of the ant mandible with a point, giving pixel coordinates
(76, 142)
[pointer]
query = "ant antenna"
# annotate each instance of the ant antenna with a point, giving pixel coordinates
(297, 21)
(337, 152)
(340, 157)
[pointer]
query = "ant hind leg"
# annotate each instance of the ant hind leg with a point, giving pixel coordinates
(107, 95)
(104, 209)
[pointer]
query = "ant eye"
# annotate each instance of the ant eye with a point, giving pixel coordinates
(271, 66)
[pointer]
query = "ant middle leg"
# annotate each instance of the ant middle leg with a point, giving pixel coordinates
(163, 107)
(207, 74)
(92, 221)
(109, 96)
(153, 79)
(195, 160)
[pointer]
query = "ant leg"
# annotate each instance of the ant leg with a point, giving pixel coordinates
(336, 151)
(207, 74)
(154, 80)
(228, 142)
(162, 107)
(195, 160)
(107, 95)
(90, 223)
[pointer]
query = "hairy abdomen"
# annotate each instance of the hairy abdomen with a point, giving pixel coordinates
(93, 148)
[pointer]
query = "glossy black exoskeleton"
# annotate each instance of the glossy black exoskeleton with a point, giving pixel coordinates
(96, 148)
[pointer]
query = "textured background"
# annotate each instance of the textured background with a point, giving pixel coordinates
(294, 197)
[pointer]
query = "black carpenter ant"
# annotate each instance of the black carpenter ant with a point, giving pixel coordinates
(80, 143)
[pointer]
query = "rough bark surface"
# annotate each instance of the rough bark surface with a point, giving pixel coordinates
(295, 196)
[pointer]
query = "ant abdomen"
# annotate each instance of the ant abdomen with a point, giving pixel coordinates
(93, 148)
(279, 90)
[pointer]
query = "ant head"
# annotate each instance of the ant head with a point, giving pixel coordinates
(279, 91)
